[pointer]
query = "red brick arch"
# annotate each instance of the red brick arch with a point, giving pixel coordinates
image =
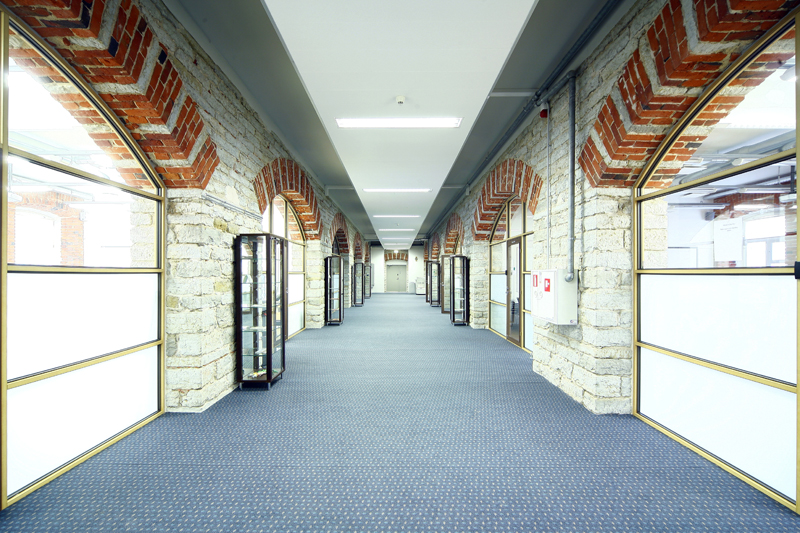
(134, 75)
(510, 178)
(641, 109)
(395, 256)
(453, 235)
(434, 243)
(339, 233)
(358, 248)
(285, 177)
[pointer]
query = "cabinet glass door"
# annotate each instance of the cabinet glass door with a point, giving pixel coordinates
(368, 280)
(277, 289)
(358, 284)
(445, 284)
(333, 290)
(435, 300)
(428, 269)
(459, 296)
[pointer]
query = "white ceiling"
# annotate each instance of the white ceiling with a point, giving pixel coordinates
(354, 57)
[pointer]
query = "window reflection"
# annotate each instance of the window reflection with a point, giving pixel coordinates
(747, 220)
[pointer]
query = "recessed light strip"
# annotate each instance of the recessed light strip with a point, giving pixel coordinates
(395, 216)
(392, 229)
(410, 122)
(396, 190)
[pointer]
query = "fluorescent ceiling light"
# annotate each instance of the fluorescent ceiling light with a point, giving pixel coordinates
(420, 122)
(392, 229)
(396, 190)
(395, 216)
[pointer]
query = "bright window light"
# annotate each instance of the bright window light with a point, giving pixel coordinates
(396, 190)
(420, 122)
(395, 216)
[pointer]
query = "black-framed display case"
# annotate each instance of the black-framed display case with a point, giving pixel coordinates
(428, 281)
(444, 283)
(436, 299)
(358, 284)
(367, 280)
(459, 293)
(334, 286)
(260, 271)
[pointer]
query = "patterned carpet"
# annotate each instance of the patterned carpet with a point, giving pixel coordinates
(398, 421)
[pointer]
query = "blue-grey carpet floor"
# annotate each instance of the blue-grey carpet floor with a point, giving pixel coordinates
(398, 421)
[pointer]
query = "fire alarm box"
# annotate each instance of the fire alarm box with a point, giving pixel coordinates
(553, 298)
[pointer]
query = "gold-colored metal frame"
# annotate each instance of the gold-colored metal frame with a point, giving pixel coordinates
(8, 19)
(523, 250)
(792, 20)
(302, 243)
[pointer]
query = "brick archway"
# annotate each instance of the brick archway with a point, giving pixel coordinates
(453, 235)
(509, 178)
(339, 233)
(358, 248)
(434, 243)
(684, 58)
(285, 177)
(118, 54)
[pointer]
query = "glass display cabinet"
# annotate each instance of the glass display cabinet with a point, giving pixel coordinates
(358, 285)
(260, 300)
(444, 284)
(436, 300)
(459, 295)
(368, 280)
(428, 280)
(334, 285)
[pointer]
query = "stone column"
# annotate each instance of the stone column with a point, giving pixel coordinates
(315, 285)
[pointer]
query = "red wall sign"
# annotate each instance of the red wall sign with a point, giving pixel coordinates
(546, 284)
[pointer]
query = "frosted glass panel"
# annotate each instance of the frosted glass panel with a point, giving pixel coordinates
(296, 318)
(528, 330)
(297, 283)
(498, 288)
(85, 315)
(749, 425)
(745, 322)
(498, 318)
(51, 422)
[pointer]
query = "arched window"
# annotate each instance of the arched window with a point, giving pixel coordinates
(281, 219)
(83, 272)
(512, 257)
(715, 243)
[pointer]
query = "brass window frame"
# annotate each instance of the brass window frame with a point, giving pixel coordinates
(639, 195)
(7, 21)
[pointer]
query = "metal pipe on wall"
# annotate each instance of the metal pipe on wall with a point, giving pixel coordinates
(571, 239)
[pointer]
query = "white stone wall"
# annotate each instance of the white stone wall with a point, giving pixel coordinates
(592, 362)
(200, 348)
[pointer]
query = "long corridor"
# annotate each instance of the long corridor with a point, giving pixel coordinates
(398, 421)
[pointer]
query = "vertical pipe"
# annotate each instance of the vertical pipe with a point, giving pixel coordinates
(571, 239)
(547, 106)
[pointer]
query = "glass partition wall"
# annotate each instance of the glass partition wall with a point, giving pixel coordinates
(715, 233)
(280, 219)
(510, 264)
(83, 246)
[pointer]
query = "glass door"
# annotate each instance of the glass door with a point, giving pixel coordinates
(445, 284)
(435, 294)
(334, 314)
(459, 296)
(513, 291)
(358, 284)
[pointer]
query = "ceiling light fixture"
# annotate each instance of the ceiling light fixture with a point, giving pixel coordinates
(396, 190)
(395, 216)
(421, 122)
(392, 229)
